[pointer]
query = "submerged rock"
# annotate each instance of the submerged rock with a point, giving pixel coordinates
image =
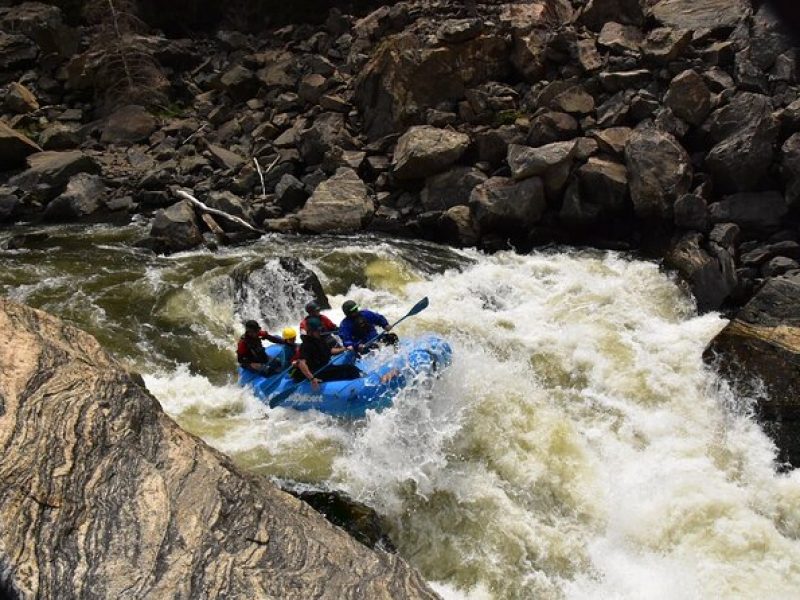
(97, 480)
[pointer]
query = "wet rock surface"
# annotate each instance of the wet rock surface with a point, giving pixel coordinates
(97, 480)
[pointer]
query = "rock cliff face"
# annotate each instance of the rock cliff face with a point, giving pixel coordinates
(104, 496)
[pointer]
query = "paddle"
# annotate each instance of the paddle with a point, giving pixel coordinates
(278, 399)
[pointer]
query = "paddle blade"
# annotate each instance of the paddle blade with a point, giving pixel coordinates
(419, 307)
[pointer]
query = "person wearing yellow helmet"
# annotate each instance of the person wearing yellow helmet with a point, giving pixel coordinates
(289, 346)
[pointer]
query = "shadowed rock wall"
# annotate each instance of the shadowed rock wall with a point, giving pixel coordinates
(104, 496)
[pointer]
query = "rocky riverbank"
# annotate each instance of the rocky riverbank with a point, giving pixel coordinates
(670, 127)
(104, 496)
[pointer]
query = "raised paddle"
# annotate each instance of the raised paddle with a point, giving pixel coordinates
(278, 399)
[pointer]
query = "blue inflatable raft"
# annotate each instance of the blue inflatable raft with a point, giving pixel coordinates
(352, 399)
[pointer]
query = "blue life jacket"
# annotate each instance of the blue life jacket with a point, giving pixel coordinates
(360, 327)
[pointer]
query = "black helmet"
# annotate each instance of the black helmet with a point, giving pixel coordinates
(251, 324)
(313, 306)
(349, 307)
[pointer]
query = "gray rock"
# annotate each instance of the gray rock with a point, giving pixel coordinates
(665, 44)
(335, 103)
(660, 172)
(700, 14)
(240, 83)
(457, 31)
(129, 125)
(703, 272)
(451, 188)
(753, 212)
(340, 204)
(769, 38)
(525, 161)
(312, 87)
(175, 229)
(574, 100)
(53, 170)
(612, 140)
(423, 151)
(550, 127)
(620, 38)
(102, 461)
(10, 205)
(614, 81)
(689, 97)
(599, 12)
(599, 192)
(588, 56)
(290, 193)
(725, 234)
(16, 52)
(502, 205)
(60, 136)
(778, 266)
(691, 212)
(493, 144)
(760, 255)
(20, 100)
(529, 55)
(790, 168)
(14, 147)
(232, 204)
(458, 227)
(83, 196)
(225, 159)
(744, 133)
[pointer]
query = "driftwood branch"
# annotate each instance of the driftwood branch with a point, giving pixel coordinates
(261, 176)
(187, 196)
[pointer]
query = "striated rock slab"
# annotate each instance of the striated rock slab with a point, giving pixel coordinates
(700, 14)
(764, 340)
(104, 496)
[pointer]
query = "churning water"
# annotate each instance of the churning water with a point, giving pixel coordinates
(577, 447)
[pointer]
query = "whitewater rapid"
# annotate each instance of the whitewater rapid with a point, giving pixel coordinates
(577, 448)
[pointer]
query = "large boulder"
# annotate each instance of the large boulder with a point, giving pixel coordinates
(175, 229)
(20, 99)
(744, 133)
(700, 14)
(95, 473)
(525, 161)
(16, 52)
(42, 23)
(340, 204)
(450, 188)
(128, 125)
(758, 212)
(14, 147)
(660, 172)
(599, 12)
(711, 279)
(406, 76)
(689, 97)
(52, 170)
(503, 205)
(599, 193)
(424, 151)
(458, 227)
(83, 196)
(763, 341)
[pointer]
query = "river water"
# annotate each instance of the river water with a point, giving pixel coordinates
(577, 448)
